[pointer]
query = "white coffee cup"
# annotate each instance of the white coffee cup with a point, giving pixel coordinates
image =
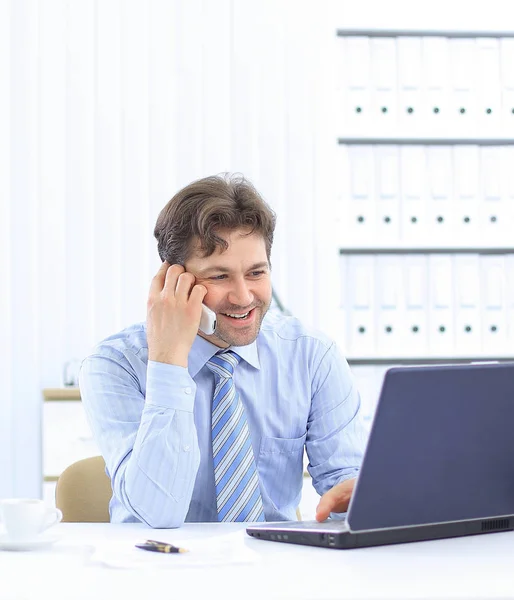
(25, 518)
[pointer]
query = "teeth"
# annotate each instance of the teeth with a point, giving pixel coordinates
(238, 316)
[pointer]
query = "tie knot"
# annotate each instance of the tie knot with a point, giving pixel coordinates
(224, 363)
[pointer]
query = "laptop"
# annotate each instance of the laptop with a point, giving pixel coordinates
(439, 462)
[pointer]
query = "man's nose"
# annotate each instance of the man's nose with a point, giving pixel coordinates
(241, 294)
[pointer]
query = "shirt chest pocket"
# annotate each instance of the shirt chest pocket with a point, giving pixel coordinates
(281, 460)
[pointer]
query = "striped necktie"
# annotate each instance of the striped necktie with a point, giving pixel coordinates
(237, 484)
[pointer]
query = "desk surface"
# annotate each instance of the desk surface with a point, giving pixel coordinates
(88, 562)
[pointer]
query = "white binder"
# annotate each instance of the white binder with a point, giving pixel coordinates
(410, 106)
(467, 304)
(387, 194)
(509, 300)
(384, 85)
(415, 281)
(440, 194)
(489, 88)
(466, 180)
(507, 193)
(368, 380)
(435, 85)
(463, 103)
(494, 220)
(340, 333)
(507, 83)
(342, 187)
(359, 218)
(389, 305)
(360, 286)
(413, 202)
(441, 330)
(493, 306)
(356, 83)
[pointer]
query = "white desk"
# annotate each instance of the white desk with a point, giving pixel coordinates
(473, 567)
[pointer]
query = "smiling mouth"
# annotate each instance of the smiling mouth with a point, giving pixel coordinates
(239, 316)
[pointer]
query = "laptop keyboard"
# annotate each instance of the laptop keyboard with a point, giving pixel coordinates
(331, 524)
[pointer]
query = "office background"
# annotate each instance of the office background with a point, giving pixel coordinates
(109, 107)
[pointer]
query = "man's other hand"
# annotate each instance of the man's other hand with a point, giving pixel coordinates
(335, 500)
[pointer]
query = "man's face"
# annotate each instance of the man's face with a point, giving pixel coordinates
(238, 286)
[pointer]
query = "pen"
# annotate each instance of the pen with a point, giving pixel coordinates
(154, 546)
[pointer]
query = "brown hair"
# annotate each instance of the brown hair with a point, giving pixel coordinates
(206, 206)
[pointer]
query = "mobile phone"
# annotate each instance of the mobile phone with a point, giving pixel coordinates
(208, 321)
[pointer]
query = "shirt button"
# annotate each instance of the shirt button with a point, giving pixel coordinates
(186, 448)
(188, 390)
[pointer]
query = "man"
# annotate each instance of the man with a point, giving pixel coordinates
(197, 427)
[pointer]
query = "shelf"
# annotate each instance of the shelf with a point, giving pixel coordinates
(424, 360)
(426, 141)
(61, 394)
(50, 478)
(425, 250)
(450, 33)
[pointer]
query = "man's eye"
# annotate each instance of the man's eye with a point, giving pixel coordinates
(257, 273)
(217, 277)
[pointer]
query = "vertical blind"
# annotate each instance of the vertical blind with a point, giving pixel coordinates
(107, 108)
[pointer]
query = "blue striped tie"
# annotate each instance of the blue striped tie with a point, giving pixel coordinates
(237, 484)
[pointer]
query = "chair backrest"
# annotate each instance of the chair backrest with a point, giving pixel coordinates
(83, 492)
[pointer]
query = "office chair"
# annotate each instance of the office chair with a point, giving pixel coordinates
(83, 492)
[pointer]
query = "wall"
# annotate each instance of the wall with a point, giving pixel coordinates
(107, 108)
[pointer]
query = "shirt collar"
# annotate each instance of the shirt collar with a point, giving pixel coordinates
(202, 351)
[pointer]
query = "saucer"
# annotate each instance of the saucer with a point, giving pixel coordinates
(41, 541)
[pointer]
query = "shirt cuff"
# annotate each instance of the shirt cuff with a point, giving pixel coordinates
(169, 386)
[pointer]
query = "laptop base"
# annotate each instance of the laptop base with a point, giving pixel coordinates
(343, 540)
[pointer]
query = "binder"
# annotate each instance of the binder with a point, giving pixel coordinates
(341, 318)
(390, 316)
(441, 328)
(494, 221)
(509, 300)
(463, 104)
(356, 98)
(440, 194)
(387, 194)
(467, 304)
(360, 287)
(466, 169)
(368, 380)
(359, 218)
(342, 186)
(415, 279)
(506, 206)
(413, 202)
(493, 306)
(507, 84)
(410, 108)
(435, 85)
(384, 85)
(489, 88)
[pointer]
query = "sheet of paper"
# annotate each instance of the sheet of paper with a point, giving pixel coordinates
(230, 549)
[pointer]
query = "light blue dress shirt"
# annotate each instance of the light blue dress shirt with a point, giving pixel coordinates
(152, 421)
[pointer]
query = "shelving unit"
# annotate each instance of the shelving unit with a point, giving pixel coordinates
(425, 141)
(448, 33)
(393, 129)
(66, 435)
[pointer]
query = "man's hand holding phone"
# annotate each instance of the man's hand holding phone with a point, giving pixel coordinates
(173, 314)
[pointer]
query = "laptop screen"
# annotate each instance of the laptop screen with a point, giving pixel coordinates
(441, 448)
